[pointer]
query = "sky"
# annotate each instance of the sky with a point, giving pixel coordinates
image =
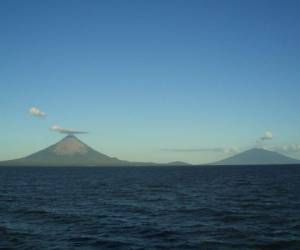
(160, 81)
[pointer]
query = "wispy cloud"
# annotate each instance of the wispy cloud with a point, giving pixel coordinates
(66, 130)
(226, 150)
(266, 137)
(288, 148)
(36, 112)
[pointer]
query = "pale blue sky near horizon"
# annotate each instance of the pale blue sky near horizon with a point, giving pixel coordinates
(149, 78)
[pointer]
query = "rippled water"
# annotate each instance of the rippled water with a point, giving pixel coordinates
(150, 208)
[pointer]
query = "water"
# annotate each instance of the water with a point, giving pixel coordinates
(150, 208)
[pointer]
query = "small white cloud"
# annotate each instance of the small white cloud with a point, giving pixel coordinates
(284, 149)
(267, 136)
(231, 150)
(66, 130)
(36, 112)
(290, 148)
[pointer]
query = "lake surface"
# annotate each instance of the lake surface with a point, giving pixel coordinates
(150, 208)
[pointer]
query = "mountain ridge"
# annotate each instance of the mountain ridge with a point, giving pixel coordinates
(257, 156)
(70, 151)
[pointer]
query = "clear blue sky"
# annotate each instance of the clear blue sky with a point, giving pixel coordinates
(149, 78)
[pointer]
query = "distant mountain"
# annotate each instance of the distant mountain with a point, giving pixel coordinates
(70, 151)
(257, 156)
(177, 163)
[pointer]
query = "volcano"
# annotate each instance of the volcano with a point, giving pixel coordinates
(258, 156)
(70, 151)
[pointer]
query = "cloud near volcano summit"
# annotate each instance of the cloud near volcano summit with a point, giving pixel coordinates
(267, 136)
(66, 130)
